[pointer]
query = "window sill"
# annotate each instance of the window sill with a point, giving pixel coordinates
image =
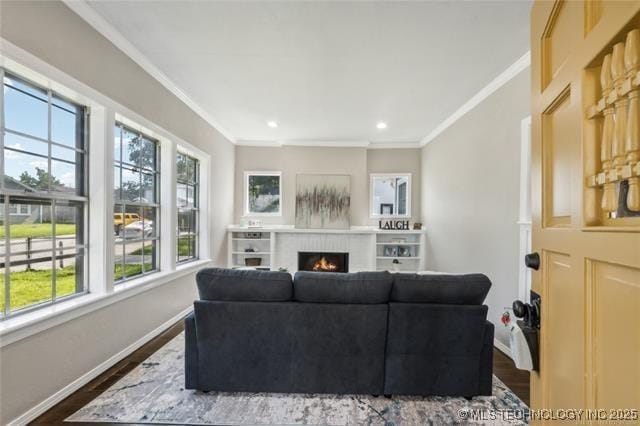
(28, 324)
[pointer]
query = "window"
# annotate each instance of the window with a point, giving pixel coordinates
(42, 238)
(263, 194)
(20, 210)
(390, 195)
(136, 203)
(187, 194)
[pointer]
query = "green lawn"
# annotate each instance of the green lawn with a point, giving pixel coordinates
(183, 248)
(129, 270)
(29, 287)
(38, 230)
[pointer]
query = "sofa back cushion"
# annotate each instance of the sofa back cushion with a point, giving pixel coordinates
(244, 285)
(354, 288)
(468, 289)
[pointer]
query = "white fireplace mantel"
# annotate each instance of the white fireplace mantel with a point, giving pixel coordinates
(352, 230)
(278, 246)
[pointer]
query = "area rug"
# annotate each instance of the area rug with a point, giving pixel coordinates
(153, 393)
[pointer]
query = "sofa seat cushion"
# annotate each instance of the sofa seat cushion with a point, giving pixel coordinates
(468, 289)
(330, 287)
(244, 285)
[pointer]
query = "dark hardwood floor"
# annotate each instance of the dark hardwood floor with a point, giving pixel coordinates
(505, 370)
(503, 367)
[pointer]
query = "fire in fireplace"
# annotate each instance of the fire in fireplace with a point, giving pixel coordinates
(323, 262)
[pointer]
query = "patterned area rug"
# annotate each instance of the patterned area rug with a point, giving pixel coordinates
(153, 393)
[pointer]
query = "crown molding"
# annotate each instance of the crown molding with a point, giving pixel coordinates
(503, 78)
(330, 144)
(259, 143)
(394, 145)
(95, 20)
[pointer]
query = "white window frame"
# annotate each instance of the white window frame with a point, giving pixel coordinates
(103, 113)
(196, 208)
(375, 215)
(247, 175)
(46, 196)
(157, 204)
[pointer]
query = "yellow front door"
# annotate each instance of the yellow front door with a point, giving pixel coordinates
(586, 204)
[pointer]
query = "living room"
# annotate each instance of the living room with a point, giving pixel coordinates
(273, 212)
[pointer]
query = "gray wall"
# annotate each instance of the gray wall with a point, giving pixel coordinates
(470, 194)
(35, 368)
(355, 162)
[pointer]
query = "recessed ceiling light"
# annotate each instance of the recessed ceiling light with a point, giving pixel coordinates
(272, 124)
(381, 125)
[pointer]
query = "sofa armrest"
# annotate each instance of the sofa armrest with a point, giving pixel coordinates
(485, 384)
(190, 352)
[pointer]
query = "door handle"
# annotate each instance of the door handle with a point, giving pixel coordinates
(532, 260)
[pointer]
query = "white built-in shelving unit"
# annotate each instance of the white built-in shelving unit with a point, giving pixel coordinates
(400, 251)
(247, 245)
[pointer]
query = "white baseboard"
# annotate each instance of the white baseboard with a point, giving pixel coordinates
(502, 347)
(57, 397)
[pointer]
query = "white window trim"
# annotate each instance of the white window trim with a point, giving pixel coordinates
(372, 213)
(179, 150)
(247, 174)
(103, 113)
(524, 219)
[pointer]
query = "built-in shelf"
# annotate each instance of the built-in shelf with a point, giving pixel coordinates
(389, 243)
(241, 239)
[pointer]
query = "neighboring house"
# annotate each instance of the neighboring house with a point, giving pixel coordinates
(32, 213)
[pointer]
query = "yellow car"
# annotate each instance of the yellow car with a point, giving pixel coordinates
(119, 221)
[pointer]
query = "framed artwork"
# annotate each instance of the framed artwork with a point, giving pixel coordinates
(323, 201)
(390, 251)
(404, 251)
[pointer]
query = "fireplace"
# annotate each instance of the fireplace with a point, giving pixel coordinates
(323, 261)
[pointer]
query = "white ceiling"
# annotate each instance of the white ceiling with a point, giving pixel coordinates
(325, 71)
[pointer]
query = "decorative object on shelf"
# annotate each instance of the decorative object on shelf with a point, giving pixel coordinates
(253, 235)
(249, 250)
(252, 261)
(398, 240)
(402, 225)
(417, 226)
(323, 201)
(254, 223)
(404, 251)
(396, 265)
(390, 251)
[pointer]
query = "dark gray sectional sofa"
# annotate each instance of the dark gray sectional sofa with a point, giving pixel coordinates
(366, 332)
